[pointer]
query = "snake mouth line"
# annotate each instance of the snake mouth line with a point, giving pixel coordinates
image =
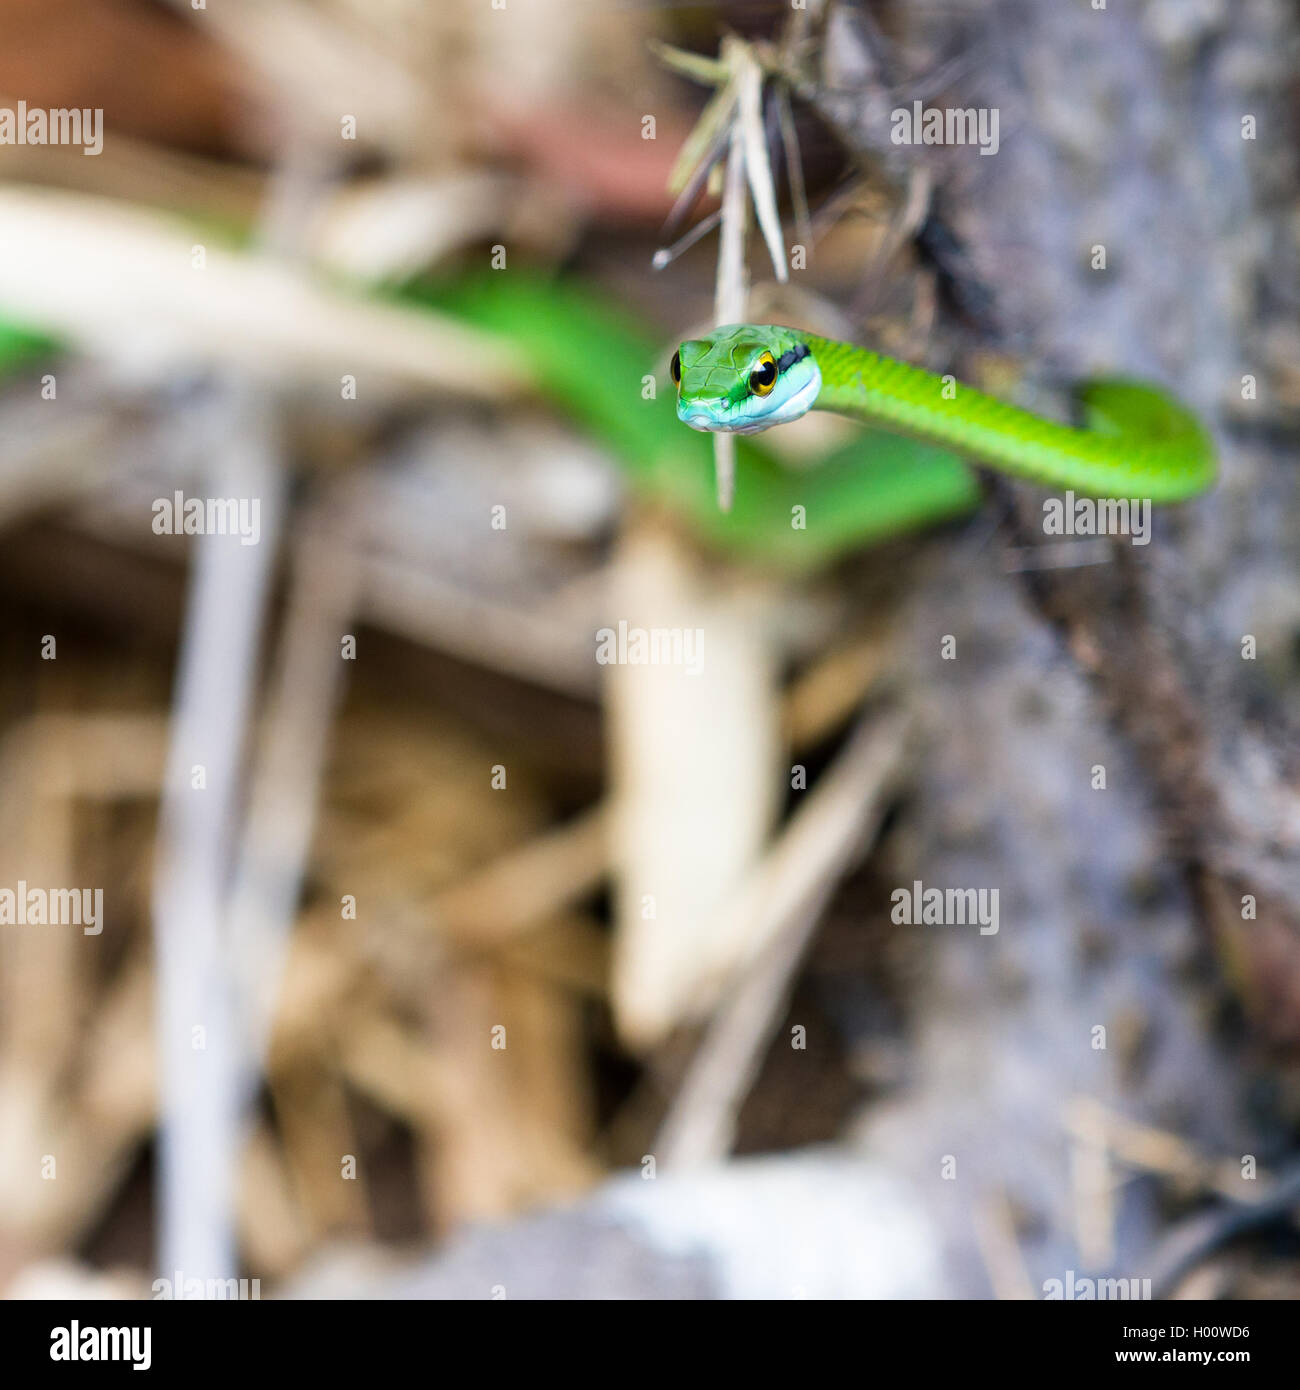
(701, 418)
(709, 424)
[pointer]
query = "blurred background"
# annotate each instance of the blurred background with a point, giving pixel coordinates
(440, 957)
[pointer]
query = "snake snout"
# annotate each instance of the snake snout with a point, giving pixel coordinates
(697, 415)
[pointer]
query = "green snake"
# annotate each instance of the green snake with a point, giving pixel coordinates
(904, 471)
(1135, 440)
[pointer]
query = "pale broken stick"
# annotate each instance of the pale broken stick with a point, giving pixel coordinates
(783, 901)
(286, 777)
(199, 1111)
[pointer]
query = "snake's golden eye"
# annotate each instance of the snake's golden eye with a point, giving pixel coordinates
(763, 377)
(675, 368)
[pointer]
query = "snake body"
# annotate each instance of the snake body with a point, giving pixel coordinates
(1134, 440)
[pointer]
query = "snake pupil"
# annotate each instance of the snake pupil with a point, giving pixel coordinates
(763, 377)
(675, 369)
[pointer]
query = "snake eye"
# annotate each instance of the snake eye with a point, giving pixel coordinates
(675, 369)
(763, 377)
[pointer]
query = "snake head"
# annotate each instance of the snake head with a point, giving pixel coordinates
(744, 379)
